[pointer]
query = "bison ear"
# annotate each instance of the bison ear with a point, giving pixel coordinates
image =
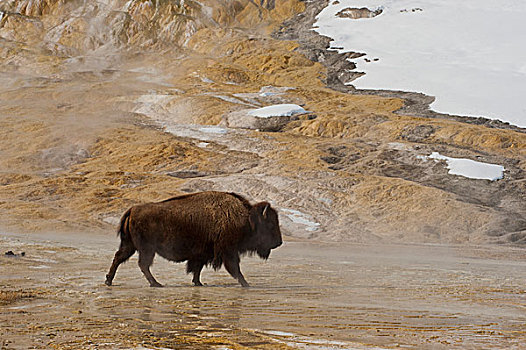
(265, 210)
(257, 213)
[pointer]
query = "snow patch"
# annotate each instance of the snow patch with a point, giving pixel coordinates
(280, 110)
(468, 54)
(470, 168)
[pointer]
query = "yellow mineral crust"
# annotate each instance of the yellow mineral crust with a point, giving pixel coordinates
(104, 103)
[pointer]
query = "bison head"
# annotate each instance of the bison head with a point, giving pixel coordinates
(265, 229)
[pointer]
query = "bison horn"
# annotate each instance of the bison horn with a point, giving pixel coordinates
(265, 210)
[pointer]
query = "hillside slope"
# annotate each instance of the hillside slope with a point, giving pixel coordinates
(113, 103)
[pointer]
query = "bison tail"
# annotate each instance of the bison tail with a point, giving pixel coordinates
(124, 227)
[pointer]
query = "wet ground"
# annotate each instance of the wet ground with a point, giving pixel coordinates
(308, 295)
(94, 121)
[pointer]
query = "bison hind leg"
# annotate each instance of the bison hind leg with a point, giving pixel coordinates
(126, 250)
(195, 267)
(145, 261)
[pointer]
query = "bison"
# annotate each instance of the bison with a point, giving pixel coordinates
(206, 228)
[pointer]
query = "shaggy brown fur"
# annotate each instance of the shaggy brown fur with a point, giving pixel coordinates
(206, 228)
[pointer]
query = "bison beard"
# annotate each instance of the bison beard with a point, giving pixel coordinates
(206, 228)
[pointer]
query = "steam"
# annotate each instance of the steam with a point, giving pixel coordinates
(81, 80)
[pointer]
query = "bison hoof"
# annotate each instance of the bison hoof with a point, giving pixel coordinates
(107, 282)
(198, 284)
(156, 285)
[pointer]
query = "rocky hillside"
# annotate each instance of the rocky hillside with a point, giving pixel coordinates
(110, 103)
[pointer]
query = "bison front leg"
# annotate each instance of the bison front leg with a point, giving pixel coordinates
(232, 266)
(145, 261)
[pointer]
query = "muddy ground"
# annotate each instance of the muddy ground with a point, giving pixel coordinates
(307, 295)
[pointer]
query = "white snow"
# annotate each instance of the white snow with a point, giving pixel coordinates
(469, 54)
(470, 168)
(280, 110)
